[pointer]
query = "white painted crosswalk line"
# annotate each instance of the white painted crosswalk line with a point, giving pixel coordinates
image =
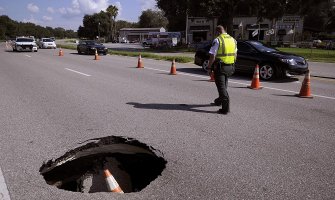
(4, 194)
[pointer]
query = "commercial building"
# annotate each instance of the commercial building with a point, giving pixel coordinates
(285, 29)
(137, 34)
(199, 29)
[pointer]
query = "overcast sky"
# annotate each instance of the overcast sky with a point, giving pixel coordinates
(69, 13)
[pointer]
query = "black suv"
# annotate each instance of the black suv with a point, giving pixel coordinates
(90, 46)
(272, 63)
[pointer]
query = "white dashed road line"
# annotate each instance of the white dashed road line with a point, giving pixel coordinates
(77, 72)
(28, 56)
(4, 194)
(239, 83)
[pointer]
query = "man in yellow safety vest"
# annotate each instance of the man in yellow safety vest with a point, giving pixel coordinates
(222, 59)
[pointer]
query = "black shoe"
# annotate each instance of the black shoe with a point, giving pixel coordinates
(221, 111)
(217, 102)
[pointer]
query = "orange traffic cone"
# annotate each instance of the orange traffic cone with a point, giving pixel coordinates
(112, 185)
(255, 83)
(60, 52)
(305, 91)
(212, 79)
(96, 56)
(173, 70)
(139, 62)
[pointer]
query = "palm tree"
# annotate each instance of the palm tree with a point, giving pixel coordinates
(112, 11)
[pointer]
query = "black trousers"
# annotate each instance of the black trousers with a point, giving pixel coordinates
(221, 81)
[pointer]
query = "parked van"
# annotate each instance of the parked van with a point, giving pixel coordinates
(162, 39)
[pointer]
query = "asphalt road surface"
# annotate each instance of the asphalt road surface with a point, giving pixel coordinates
(272, 145)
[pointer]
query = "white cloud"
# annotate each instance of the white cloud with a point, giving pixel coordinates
(90, 6)
(33, 8)
(73, 11)
(51, 10)
(79, 7)
(62, 11)
(148, 4)
(47, 18)
(119, 7)
(31, 20)
(2, 10)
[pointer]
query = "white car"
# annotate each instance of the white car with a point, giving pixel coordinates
(124, 40)
(24, 44)
(47, 43)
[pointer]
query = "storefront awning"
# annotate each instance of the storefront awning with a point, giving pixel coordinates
(200, 28)
(256, 26)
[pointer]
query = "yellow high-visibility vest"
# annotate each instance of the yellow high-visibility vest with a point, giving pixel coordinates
(227, 49)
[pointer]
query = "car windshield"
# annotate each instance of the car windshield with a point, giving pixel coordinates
(24, 40)
(91, 43)
(47, 40)
(261, 47)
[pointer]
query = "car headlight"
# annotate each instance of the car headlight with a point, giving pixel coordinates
(289, 61)
(92, 48)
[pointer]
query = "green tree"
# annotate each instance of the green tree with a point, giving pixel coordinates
(226, 10)
(113, 11)
(176, 11)
(10, 29)
(152, 19)
(95, 25)
(124, 24)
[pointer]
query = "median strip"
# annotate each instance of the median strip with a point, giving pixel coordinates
(77, 72)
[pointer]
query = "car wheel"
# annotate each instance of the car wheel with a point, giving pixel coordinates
(267, 72)
(205, 65)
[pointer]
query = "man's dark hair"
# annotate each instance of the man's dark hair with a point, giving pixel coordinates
(220, 29)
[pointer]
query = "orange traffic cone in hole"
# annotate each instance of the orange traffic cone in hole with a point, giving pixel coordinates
(112, 185)
(173, 70)
(96, 56)
(255, 83)
(305, 91)
(211, 74)
(60, 52)
(139, 62)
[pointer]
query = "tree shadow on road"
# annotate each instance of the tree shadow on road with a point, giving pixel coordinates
(182, 107)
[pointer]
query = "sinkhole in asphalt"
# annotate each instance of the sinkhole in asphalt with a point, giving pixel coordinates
(133, 164)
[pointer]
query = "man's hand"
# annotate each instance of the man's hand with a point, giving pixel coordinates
(210, 63)
(210, 71)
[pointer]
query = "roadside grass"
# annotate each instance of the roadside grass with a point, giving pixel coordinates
(316, 55)
(67, 46)
(179, 59)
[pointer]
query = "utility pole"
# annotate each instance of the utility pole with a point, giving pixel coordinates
(99, 30)
(259, 29)
(186, 33)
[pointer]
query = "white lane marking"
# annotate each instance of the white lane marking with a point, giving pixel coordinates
(28, 56)
(77, 72)
(4, 194)
(239, 83)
